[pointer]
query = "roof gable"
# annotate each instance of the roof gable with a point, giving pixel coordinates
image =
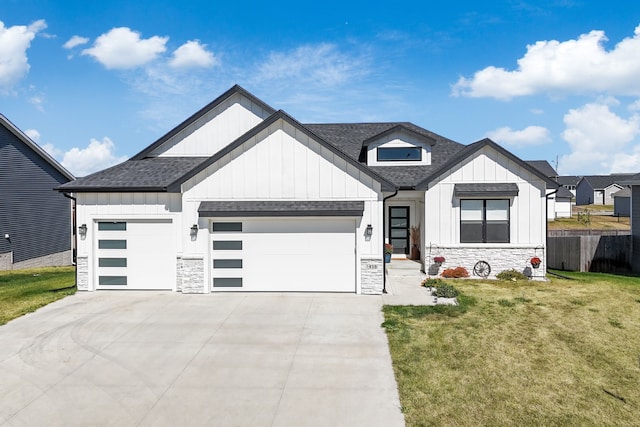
(469, 150)
(22, 137)
(174, 135)
(600, 182)
(401, 128)
(544, 167)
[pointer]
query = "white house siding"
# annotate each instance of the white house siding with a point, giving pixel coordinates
(283, 163)
(398, 139)
(527, 216)
(215, 130)
(563, 207)
(415, 201)
(139, 207)
(609, 192)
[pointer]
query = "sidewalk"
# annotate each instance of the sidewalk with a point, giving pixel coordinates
(403, 284)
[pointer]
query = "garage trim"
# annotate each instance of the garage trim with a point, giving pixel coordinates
(271, 208)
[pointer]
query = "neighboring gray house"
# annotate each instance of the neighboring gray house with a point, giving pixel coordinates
(622, 202)
(634, 183)
(599, 189)
(559, 199)
(36, 227)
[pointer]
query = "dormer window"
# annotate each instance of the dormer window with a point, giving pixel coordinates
(399, 154)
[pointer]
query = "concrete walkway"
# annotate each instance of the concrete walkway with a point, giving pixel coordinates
(404, 278)
(165, 359)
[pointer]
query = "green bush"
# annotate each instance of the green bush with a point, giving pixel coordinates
(455, 273)
(445, 291)
(433, 282)
(512, 274)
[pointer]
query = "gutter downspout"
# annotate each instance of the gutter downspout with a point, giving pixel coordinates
(384, 217)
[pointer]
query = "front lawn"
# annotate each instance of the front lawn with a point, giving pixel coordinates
(559, 353)
(24, 291)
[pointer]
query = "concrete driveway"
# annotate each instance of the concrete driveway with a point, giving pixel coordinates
(150, 358)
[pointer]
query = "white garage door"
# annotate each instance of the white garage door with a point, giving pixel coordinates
(283, 254)
(135, 254)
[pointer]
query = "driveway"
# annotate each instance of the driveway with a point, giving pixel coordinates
(152, 358)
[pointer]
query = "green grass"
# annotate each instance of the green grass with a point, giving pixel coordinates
(558, 353)
(24, 291)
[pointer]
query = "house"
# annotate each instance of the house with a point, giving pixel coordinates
(598, 189)
(622, 202)
(634, 184)
(569, 182)
(559, 198)
(243, 197)
(36, 227)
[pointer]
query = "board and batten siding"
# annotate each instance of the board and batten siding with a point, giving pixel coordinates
(527, 211)
(214, 130)
(37, 218)
(399, 139)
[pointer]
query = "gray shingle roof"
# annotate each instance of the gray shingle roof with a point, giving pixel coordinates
(270, 208)
(600, 182)
(563, 193)
(151, 174)
(544, 167)
(350, 137)
(568, 180)
(479, 189)
(625, 192)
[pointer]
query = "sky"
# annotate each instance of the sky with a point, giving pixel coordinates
(94, 83)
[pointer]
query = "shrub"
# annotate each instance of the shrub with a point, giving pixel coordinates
(445, 291)
(512, 274)
(433, 282)
(455, 273)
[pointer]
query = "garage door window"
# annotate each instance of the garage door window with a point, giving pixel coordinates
(227, 263)
(112, 226)
(227, 245)
(112, 280)
(112, 244)
(112, 262)
(227, 282)
(227, 226)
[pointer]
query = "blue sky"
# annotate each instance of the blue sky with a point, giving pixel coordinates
(96, 82)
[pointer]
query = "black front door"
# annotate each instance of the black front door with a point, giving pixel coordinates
(399, 229)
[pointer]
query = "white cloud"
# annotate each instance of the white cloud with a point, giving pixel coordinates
(96, 156)
(192, 54)
(321, 64)
(121, 48)
(75, 41)
(573, 66)
(33, 134)
(531, 135)
(14, 42)
(37, 101)
(634, 106)
(601, 142)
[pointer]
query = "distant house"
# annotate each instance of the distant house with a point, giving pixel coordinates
(559, 199)
(622, 202)
(569, 182)
(599, 189)
(243, 197)
(634, 183)
(36, 227)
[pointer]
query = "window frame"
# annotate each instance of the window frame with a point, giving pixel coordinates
(419, 149)
(485, 221)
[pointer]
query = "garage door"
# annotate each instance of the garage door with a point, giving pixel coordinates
(283, 254)
(135, 254)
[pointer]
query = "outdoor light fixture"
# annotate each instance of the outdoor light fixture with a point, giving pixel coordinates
(369, 230)
(83, 230)
(194, 230)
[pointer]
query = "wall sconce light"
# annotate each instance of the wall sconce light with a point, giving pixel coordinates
(369, 230)
(83, 230)
(194, 230)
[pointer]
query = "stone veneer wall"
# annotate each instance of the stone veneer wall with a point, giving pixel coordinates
(190, 275)
(499, 258)
(82, 273)
(6, 261)
(179, 274)
(371, 276)
(59, 259)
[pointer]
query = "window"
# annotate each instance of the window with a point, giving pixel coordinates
(227, 245)
(399, 154)
(112, 244)
(227, 282)
(484, 221)
(112, 280)
(112, 226)
(227, 263)
(112, 262)
(227, 226)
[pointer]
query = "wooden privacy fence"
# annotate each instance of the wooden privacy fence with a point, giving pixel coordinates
(602, 254)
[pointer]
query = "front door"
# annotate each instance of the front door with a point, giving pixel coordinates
(399, 229)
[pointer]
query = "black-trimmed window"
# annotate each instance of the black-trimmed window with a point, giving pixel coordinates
(484, 221)
(399, 154)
